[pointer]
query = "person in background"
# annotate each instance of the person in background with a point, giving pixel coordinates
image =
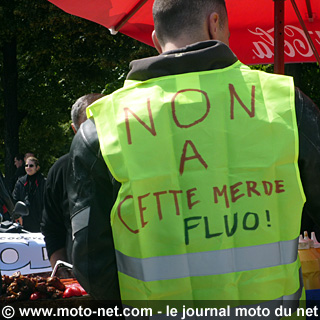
(19, 163)
(20, 171)
(6, 201)
(29, 189)
(211, 197)
(56, 226)
(28, 154)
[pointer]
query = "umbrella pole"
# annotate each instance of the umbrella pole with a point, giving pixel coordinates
(125, 19)
(279, 36)
(312, 46)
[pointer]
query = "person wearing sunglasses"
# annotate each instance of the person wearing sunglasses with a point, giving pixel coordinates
(29, 189)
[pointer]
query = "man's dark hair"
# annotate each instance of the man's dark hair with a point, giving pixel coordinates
(78, 110)
(19, 156)
(173, 18)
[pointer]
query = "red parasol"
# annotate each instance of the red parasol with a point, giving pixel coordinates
(256, 26)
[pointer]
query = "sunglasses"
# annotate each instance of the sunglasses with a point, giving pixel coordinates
(29, 165)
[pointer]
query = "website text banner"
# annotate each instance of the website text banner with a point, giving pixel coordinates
(183, 310)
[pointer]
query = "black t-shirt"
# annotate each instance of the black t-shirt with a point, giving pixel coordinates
(55, 225)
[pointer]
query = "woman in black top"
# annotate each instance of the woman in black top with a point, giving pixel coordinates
(29, 189)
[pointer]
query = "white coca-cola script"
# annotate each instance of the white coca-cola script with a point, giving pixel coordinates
(295, 44)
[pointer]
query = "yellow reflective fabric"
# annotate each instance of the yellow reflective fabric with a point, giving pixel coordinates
(207, 162)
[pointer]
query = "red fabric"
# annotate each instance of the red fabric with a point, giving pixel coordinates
(252, 35)
(251, 25)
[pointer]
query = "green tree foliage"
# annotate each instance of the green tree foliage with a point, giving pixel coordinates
(60, 58)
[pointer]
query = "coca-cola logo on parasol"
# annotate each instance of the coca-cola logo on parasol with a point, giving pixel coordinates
(296, 45)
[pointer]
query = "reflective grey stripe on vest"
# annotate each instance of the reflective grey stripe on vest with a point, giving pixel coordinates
(210, 262)
(290, 302)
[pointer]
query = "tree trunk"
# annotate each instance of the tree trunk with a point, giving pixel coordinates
(11, 122)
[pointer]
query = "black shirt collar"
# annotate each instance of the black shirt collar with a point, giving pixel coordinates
(201, 56)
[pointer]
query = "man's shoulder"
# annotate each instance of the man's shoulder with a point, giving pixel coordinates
(307, 112)
(62, 161)
(20, 183)
(20, 172)
(22, 179)
(59, 166)
(86, 138)
(41, 178)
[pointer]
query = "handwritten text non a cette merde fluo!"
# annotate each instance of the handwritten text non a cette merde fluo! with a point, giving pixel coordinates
(296, 43)
(221, 194)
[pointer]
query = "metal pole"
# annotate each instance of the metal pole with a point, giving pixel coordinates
(279, 36)
(312, 46)
(309, 9)
(126, 18)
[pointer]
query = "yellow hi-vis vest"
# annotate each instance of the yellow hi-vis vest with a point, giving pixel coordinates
(211, 198)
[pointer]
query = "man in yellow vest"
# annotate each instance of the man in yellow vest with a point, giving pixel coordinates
(204, 172)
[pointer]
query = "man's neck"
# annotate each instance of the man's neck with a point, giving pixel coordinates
(181, 43)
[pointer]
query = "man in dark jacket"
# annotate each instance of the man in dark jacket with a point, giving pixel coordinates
(184, 47)
(19, 163)
(55, 225)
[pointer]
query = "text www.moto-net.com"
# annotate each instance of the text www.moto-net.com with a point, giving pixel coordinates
(8, 312)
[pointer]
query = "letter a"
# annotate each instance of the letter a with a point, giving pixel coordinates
(196, 155)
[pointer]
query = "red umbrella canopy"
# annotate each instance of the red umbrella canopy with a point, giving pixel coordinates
(130, 17)
(252, 30)
(251, 24)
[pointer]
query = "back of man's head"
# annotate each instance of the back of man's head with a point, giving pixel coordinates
(78, 110)
(176, 18)
(27, 155)
(19, 156)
